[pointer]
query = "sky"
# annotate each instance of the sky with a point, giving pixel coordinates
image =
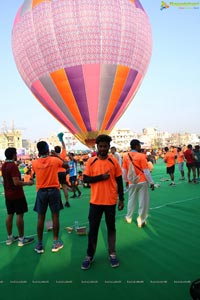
(168, 98)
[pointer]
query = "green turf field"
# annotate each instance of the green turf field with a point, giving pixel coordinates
(158, 261)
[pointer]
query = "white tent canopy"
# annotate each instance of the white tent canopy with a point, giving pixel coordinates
(79, 147)
(118, 147)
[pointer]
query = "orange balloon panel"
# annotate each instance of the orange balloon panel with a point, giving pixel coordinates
(83, 60)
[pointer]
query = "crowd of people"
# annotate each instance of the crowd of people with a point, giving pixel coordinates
(189, 155)
(106, 172)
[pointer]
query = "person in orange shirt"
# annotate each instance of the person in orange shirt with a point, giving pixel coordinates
(27, 176)
(150, 164)
(62, 171)
(180, 161)
(105, 177)
(45, 169)
(139, 189)
(174, 150)
(80, 178)
(169, 159)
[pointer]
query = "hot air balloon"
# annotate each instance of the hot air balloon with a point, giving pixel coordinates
(83, 60)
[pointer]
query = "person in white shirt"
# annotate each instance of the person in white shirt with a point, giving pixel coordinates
(116, 155)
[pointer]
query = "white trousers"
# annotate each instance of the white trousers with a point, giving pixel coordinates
(141, 191)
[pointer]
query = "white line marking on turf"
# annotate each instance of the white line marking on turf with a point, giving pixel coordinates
(172, 203)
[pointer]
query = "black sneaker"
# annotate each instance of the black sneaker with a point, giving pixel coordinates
(39, 248)
(87, 263)
(67, 204)
(57, 245)
(25, 241)
(114, 261)
(79, 194)
(74, 196)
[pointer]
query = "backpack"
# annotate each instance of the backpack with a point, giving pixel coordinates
(132, 177)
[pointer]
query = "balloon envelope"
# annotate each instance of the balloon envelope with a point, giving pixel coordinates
(84, 60)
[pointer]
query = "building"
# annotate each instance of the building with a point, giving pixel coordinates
(121, 137)
(11, 138)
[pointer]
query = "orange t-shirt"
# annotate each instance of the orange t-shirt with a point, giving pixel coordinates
(169, 159)
(104, 192)
(46, 171)
(27, 177)
(174, 151)
(139, 160)
(63, 155)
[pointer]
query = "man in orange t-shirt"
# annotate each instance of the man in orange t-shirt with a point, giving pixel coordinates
(45, 169)
(169, 159)
(180, 162)
(62, 171)
(139, 189)
(105, 177)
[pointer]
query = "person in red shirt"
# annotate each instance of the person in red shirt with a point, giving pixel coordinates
(46, 169)
(190, 163)
(15, 198)
(169, 159)
(105, 177)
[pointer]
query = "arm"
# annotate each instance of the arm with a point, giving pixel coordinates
(120, 188)
(19, 182)
(120, 192)
(63, 145)
(149, 178)
(94, 179)
(65, 163)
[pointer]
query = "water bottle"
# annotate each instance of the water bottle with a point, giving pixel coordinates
(76, 226)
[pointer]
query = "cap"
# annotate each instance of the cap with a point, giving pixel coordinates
(135, 142)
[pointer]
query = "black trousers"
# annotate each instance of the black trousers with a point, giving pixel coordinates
(95, 215)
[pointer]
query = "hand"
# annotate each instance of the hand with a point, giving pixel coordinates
(106, 175)
(152, 187)
(31, 182)
(120, 205)
(53, 153)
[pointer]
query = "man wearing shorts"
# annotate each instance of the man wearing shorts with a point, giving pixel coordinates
(15, 198)
(169, 159)
(48, 193)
